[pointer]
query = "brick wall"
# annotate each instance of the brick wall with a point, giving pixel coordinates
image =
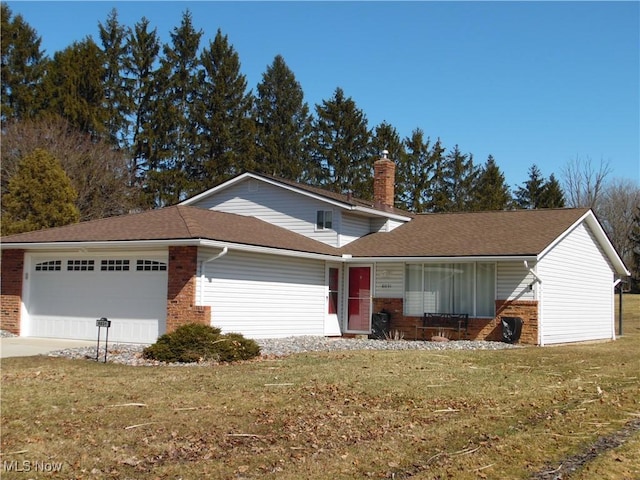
(11, 289)
(384, 182)
(479, 328)
(181, 289)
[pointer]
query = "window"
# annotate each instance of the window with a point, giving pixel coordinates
(80, 265)
(324, 220)
(50, 266)
(150, 266)
(450, 288)
(114, 265)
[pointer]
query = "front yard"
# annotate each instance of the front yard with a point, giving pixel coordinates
(519, 413)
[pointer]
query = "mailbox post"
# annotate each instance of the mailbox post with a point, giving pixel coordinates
(100, 323)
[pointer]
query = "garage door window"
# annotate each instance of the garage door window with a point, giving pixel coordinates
(80, 265)
(150, 266)
(114, 265)
(50, 266)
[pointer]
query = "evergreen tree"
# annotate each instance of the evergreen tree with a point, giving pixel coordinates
(460, 175)
(117, 99)
(21, 68)
(491, 191)
(552, 195)
(75, 89)
(414, 171)
(283, 124)
(439, 196)
(169, 179)
(386, 137)
(222, 114)
(143, 47)
(528, 196)
(341, 146)
(40, 195)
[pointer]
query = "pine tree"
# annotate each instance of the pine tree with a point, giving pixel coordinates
(143, 48)
(222, 114)
(75, 89)
(491, 191)
(439, 196)
(40, 195)
(117, 99)
(528, 196)
(552, 195)
(168, 174)
(415, 170)
(283, 124)
(341, 146)
(21, 68)
(459, 177)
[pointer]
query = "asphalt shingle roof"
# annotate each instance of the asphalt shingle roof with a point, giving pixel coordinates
(498, 233)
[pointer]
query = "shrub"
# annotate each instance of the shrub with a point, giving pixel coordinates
(198, 343)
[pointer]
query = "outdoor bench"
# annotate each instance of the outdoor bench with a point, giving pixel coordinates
(458, 322)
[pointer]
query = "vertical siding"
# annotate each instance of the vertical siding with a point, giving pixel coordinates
(577, 293)
(266, 296)
(389, 280)
(513, 281)
(275, 205)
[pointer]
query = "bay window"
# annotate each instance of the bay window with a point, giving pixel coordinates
(450, 288)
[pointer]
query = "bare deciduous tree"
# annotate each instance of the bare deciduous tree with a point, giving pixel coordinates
(583, 182)
(616, 209)
(98, 172)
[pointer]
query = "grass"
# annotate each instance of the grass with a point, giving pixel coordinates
(425, 415)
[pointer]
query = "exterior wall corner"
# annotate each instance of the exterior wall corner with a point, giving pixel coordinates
(12, 273)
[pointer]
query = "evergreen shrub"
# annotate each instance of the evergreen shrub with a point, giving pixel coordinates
(201, 343)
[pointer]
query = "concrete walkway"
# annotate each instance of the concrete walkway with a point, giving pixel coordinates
(30, 346)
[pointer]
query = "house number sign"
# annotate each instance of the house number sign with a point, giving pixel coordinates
(103, 323)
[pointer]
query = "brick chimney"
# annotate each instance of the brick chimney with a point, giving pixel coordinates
(384, 177)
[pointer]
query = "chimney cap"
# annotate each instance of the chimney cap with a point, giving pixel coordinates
(385, 153)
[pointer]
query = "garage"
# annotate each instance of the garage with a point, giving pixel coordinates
(65, 294)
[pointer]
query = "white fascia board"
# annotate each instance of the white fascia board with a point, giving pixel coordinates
(492, 258)
(217, 188)
(380, 213)
(268, 250)
(102, 245)
(601, 237)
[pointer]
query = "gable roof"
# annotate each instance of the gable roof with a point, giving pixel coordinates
(171, 224)
(346, 201)
(492, 233)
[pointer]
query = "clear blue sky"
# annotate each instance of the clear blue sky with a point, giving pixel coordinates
(528, 82)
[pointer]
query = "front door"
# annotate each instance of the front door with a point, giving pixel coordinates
(359, 300)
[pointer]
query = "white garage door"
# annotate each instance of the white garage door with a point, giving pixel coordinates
(65, 296)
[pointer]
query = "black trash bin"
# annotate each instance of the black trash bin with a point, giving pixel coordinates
(380, 325)
(511, 329)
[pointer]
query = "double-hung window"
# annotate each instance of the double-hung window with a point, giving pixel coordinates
(324, 220)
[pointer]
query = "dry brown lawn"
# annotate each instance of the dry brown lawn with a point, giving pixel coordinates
(518, 413)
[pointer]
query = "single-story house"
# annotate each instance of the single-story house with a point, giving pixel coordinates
(269, 257)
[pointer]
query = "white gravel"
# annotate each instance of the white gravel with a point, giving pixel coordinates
(131, 354)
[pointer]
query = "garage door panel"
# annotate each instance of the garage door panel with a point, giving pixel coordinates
(66, 304)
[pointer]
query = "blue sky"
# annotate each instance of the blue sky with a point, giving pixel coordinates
(527, 82)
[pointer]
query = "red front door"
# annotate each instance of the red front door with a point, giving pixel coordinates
(359, 301)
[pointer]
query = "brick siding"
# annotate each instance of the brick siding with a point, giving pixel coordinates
(181, 289)
(479, 328)
(11, 290)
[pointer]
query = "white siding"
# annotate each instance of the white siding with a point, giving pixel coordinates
(389, 280)
(266, 296)
(513, 281)
(577, 294)
(353, 227)
(275, 205)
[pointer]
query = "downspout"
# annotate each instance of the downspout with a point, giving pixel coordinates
(615, 284)
(224, 251)
(540, 322)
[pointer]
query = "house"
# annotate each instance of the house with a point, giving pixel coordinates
(268, 257)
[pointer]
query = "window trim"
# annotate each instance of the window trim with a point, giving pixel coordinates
(321, 220)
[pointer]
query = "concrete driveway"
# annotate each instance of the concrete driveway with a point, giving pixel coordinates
(30, 346)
